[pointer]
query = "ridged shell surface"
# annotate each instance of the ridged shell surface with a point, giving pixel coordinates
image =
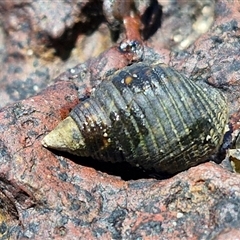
(151, 116)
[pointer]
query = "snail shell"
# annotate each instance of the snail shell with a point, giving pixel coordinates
(148, 115)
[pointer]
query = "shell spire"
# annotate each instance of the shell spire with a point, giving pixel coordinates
(65, 137)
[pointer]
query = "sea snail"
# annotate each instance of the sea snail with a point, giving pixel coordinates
(149, 115)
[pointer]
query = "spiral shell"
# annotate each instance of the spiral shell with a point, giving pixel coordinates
(149, 115)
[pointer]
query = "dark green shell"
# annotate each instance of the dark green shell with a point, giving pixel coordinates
(153, 117)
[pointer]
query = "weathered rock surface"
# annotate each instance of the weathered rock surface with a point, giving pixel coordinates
(47, 195)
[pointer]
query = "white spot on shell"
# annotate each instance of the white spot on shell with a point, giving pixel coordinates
(208, 137)
(187, 130)
(212, 132)
(105, 134)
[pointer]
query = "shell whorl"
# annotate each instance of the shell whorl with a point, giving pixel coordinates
(151, 116)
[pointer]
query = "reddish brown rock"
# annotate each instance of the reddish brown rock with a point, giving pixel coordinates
(38, 41)
(46, 195)
(229, 234)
